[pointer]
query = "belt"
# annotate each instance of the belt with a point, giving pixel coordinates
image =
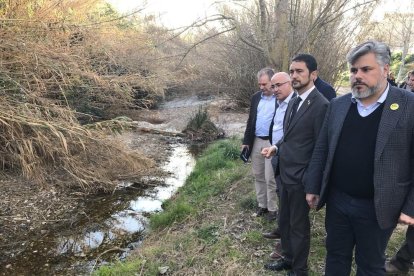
(263, 137)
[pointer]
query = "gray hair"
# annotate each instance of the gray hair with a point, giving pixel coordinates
(381, 50)
(266, 71)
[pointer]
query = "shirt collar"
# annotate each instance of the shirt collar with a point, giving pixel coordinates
(380, 100)
(263, 96)
(306, 94)
(287, 98)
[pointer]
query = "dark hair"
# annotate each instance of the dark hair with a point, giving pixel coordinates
(309, 60)
(379, 49)
(266, 71)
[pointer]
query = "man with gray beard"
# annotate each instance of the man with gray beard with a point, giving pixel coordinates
(362, 165)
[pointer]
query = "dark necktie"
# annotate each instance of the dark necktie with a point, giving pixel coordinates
(294, 109)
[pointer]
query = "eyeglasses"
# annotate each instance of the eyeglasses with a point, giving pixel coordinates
(273, 86)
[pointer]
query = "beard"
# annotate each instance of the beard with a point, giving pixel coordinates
(362, 94)
(298, 85)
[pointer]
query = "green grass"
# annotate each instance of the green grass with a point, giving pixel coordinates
(254, 238)
(248, 202)
(208, 233)
(121, 268)
(177, 211)
(214, 170)
(207, 228)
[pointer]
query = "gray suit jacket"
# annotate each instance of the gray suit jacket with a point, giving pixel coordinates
(297, 143)
(394, 156)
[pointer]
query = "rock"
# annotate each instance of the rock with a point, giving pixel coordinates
(163, 269)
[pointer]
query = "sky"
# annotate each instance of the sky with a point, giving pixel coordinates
(178, 13)
(172, 13)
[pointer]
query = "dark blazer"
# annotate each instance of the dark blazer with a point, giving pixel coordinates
(325, 88)
(250, 131)
(394, 156)
(296, 146)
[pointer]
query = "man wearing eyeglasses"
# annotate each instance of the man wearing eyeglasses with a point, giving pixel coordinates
(256, 137)
(283, 90)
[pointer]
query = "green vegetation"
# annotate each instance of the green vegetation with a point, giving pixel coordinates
(396, 63)
(208, 228)
(201, 128)
(200, 186)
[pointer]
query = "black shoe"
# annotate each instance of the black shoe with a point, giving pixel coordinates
(271, 216)
(392, 269)
(272, 235)
(278, 266)
(261, 212)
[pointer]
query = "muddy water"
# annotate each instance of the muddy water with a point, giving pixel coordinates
(113, 226)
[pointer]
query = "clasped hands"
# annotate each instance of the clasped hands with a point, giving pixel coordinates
(405, 219)
(269, 151)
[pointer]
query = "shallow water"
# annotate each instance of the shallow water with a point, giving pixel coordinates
(112, 226)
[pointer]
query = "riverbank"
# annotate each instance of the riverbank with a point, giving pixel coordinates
(208, 228)
(47, 230)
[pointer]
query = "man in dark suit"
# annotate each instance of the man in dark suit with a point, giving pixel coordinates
(362, 165)
(325, 88)
(302, 123)
(256, 137)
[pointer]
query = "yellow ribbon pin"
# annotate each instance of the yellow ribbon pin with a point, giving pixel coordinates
(394, 106)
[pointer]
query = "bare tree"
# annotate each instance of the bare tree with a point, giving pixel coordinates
(397, 30)
(281, 29)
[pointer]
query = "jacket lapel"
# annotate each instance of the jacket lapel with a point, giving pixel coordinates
(339, 115)
(302, 109)
(393, 109)
(288, 111)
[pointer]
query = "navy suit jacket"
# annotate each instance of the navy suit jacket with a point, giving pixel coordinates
(325, 88)
(394, 156)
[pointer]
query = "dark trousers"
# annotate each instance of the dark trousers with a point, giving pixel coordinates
(275, 165)
(294, 227)
(351, 222)
(405, 256)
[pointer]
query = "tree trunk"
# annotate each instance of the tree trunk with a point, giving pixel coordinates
(406, 45)
(280, 51)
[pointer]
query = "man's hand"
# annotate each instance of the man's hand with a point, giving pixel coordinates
(404, 219)
(312, 200)
(269, 151)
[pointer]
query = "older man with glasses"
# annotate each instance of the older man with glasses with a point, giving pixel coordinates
(283, 90)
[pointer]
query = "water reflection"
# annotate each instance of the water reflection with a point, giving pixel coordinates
(112, 221)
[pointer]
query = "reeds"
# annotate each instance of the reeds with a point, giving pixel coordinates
(56, 62)
(47, 145)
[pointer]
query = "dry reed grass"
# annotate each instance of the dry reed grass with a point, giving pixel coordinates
(54, 59)
(47, 145)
